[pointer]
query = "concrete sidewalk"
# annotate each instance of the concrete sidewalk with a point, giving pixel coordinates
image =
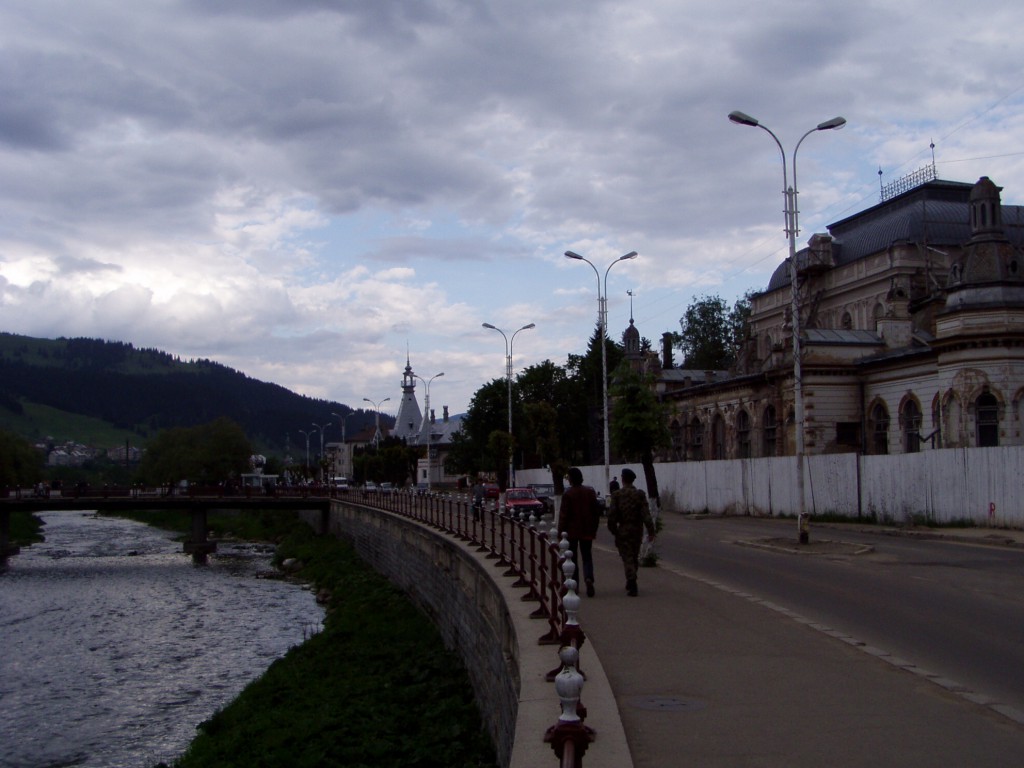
(706, 677)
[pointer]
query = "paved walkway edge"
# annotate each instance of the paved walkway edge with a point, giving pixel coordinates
(539, 707)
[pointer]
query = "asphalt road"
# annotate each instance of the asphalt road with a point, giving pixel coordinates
(953, 608)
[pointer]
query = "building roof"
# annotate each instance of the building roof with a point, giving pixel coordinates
(937, 213)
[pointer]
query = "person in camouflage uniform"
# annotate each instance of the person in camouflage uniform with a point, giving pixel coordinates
(628, 516)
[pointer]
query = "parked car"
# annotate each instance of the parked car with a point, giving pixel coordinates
(421, 489)
(545, 493)
(387, 487)
(522, 501)
(370, 487)
(491, 490)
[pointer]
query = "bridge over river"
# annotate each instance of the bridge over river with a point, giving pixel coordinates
(196, 501)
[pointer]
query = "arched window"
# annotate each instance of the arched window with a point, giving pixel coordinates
(846, 323)
(879, 429)
(987, 420)
(718, 437)
(770, 432)
(678, 445)
(743, 435)
(910, 424)
(696, 440)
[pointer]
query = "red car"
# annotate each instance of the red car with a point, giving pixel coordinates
(523, 501)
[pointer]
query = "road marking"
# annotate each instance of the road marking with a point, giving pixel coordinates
(951, 686)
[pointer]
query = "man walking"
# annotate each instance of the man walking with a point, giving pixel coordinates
(580, 517)
(628, 516)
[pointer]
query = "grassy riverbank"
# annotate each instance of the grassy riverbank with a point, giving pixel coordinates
(375, 688)
(26, 529)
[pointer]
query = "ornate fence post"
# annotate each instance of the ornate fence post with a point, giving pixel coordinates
(569, 737)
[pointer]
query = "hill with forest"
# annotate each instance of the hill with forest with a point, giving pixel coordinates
(105, 393)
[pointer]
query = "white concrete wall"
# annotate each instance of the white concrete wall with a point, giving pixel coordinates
(983, 485)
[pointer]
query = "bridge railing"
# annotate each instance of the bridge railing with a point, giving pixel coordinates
(527, 549)
(531, 551)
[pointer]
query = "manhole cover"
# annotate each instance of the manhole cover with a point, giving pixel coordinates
(667, 703)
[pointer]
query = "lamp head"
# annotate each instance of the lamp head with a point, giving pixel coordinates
(630, 255)
(488, 325)
(834, 123)
(528, 327)
(572, 255)
(741, 118)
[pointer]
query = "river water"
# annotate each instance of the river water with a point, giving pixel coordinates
(114, 646)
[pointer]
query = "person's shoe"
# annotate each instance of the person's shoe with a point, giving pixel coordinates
(590, 587)
(631, 587)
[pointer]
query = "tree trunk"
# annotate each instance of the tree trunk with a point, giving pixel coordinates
(651, 478)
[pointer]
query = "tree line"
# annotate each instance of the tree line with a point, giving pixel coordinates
(557, 411)
(205, 420)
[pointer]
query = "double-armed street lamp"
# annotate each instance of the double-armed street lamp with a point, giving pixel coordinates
(602, 320)
(508, 377)
(376, 407)
(321, 427)
(307, 434)
(425, 424)
(345, 458)
(792, 229)
(343, 420)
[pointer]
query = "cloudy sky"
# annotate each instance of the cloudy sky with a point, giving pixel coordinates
(306, 190)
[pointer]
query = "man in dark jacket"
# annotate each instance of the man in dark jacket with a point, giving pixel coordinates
(579, 517)
(628, 517)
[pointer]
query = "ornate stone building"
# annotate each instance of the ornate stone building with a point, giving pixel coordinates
(912, 336)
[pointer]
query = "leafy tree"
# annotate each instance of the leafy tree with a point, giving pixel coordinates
(471, 450)
(711, 333)
(739, 318)
(207, 454)
(20, 463)
(553, 427)
(499, 448)
(704, 336)
(542, 423)
(639, 422)
(586, 371)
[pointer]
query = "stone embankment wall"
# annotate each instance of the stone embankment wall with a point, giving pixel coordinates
(458, 590)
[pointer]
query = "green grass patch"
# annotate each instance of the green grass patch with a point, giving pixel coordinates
(37, 422)
(26, 529)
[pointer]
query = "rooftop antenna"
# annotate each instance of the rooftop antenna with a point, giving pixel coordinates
(881, 191)
(935, 173)
(630, 292)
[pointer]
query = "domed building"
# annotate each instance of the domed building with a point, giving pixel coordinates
(911, 332)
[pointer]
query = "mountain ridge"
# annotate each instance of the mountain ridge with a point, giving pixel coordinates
(142, 391)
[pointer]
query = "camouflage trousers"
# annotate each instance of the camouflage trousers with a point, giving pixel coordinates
(629, 551)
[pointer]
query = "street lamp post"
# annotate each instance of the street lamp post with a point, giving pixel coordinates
(307, 434)
(321, 427)
(343, 420)
(376, 407)
(602, 320)
(792, 229)
(344, 443)
(424, 426)
(508, 377)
